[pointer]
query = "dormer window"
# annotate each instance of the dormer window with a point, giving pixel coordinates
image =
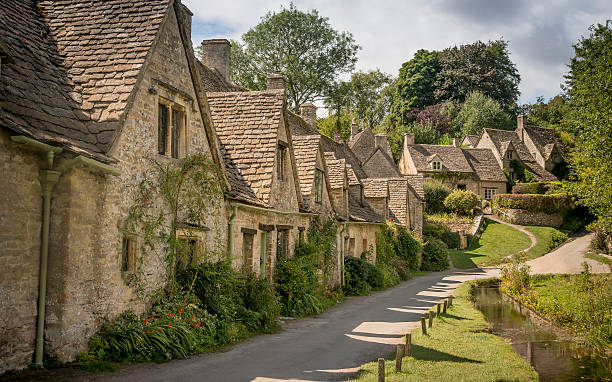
(170, 130)
(436, 165)
(281, 160)
(509, 154)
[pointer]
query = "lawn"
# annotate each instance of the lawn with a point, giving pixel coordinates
(496, 242)
(457, 348)
(544, 235)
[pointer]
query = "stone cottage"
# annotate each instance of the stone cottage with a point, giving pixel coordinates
(91, 95)
(474, 170)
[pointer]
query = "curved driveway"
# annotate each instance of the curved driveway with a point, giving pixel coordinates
(328, 347)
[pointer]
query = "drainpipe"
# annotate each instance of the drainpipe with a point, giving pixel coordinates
(48, 179)
(230, 234)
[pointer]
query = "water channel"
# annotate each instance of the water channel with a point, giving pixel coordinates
(555, 357)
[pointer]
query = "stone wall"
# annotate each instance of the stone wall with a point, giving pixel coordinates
(523, 217)
(20, 229)
(361, 233)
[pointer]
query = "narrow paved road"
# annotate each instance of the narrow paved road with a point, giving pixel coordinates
(329, 347)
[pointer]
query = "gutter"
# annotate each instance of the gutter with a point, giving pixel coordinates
(263, 209)
(48, 178)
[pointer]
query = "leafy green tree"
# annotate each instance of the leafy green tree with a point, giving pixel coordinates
(480, 112)
(590, 117)
(551, 114)
(329, 125)
(301, 46)
(483, 67)
(369, 96)
(244, 72)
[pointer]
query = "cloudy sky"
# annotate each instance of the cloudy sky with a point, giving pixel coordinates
(540, 33)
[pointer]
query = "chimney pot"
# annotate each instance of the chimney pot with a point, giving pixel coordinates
(456, 142)
(308, 111)
(275, 81)
(408, 139)
(216, 54)
(520, 121)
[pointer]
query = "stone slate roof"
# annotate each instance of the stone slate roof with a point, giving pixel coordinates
(502, 139)
(336, 169)
(416, 183)
(375, 188)
(398, 191)
(363, 144)
(247, 125)
(470, 140)
(545, 140)
(352, 178)
(214, 82)
(362, 212)
(452, 157)
(73, 66)
(305, 148)
(485, 165)
(380, 165)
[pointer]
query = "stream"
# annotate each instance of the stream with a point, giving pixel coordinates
(554, 357)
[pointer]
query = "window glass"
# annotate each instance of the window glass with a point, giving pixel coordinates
(162, 129)
(128, 254)
(436, 165)
(281, 162)
(282, 243)
(489, 193)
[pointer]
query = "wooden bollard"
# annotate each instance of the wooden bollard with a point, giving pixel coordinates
(399, 354)
(430, 318)
(423, 326)
(438, 311)
(444, 308)
(450, 300)
(381, 370)
(408, 344)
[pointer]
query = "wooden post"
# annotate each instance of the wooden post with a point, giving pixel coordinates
(423, 326)
(450, 300)
(381, 370)
(430, 318)
(444, 308)
(399, 355)
(438, 311)
(408, 344)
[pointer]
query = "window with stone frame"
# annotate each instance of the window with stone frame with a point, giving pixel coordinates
(509, 154)
(462, 187)
(318, 186)
(489, 193)
(128, 254)
(281, 160)
(186, 253)
(248, 236)
(282, 243)
(171, 135)
(436, 165)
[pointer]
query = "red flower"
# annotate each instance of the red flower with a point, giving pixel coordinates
(181, 310)
(170, 314)
(170, 323)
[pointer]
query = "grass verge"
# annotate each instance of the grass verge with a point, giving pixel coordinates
(548, 239)
(599, 258)
(496, 242)
(457, 348)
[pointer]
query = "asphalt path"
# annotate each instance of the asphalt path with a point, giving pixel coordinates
(328, 347)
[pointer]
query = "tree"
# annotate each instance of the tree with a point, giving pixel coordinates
(301, 46)
(486, 68)
(552, 114)
(480, 112)
(330, 125)
(415, 85)
(590, 119)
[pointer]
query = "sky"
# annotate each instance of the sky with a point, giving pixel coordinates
(540, 33)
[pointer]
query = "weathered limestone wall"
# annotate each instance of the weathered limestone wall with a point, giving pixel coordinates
(340, 202)
(360, 232)
(379, 205)
(523, 217)
(415, 207)
(20, 229)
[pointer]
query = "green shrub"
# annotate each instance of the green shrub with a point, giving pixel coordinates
(451, 239)
(435, 256)
(556, 239)
(407, 248)
(390, 275)
(537, 188)
(375, 276)
(296, 284)
(403, 268)
(260, 303)
(550, 204)
(355, 277)
(434, 231)
(517, 282)
(461, 202)
(385, 242)
(435, 193)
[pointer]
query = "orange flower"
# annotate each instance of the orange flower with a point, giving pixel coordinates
(170, 314)
(181, 310)
(143, 332)
(169, 322)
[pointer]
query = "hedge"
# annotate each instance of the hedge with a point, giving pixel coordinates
(535, 188)
(550, 204)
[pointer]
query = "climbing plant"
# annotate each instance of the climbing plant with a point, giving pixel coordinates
(172, 194)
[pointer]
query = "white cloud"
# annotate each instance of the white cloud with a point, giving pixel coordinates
(540, 34)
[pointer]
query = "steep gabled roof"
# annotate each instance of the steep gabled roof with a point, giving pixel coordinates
(74, 66)
(337, 170)
(452, 157)
(545, 140)
(247, 124)
(380, 165)
(363, 144)
(485, 165)
(306, 149)
(470, 140)
(416, 183)
(362, 212)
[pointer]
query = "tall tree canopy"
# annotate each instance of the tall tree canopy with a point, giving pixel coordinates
(479, 112)
(589, 85)
(415, 84)
(486, 68)
(301, 46)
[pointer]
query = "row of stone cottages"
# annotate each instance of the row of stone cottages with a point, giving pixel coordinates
(90, 92)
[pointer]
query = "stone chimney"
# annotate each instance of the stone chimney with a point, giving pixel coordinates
(337, 137)
(520, 121)
(380, 139)
(308, 112)
(408, 139)
(354, 129)
(216, 54)
(275, 81)
(456, 142)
